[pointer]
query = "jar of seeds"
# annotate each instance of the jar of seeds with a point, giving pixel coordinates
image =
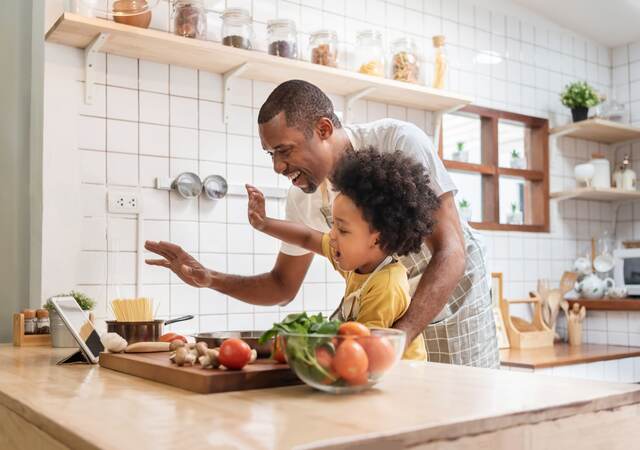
(282, 38)
(190, 19)
(237, 30)
(323, 47)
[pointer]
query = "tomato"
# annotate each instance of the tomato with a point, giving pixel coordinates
(351, 360)
(234, 354)
(362, 379)
(324, 357)
(353, 329)
(171, 336)
(380, 353)
(278, 350)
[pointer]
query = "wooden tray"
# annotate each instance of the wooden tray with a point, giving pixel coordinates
(157, 367)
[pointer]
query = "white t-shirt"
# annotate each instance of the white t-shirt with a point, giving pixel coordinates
(385, 135)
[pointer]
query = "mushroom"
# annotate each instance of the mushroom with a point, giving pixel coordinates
(210, 359)
(181, 356)
(176, 344)
(191, 358)
(254, 356)
(172, 357)
(113, 342)
(202, 348)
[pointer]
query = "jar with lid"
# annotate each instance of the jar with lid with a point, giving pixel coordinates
(132, 12)
(404, 64)
(237, 30)
(189, 19)
(282, 37)
(42, 321)
(30, 321)
(323, 47)
(440, 63)
(369, 54)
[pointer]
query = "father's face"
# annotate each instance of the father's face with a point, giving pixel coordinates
(304, 160)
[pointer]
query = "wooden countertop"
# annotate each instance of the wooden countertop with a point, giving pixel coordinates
(83, 406)
(609, 304)
(564, 355)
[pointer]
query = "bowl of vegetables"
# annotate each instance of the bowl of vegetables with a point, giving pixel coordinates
(337, 357)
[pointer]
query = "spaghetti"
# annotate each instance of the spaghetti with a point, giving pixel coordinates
(133, 310)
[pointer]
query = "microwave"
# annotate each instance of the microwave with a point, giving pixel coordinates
(626, 270)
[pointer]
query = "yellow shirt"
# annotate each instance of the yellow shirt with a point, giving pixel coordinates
(383, 301)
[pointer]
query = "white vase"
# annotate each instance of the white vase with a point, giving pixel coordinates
(517, 163)
(462, 156)
(465, 213)
(584, 173)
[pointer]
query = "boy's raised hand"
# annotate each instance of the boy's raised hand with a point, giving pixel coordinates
(256, 209)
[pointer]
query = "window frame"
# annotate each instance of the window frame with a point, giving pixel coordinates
(536, 175)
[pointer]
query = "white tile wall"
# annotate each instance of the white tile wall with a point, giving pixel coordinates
(153, 119)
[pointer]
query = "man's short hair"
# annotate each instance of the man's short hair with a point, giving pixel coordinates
(303, 105)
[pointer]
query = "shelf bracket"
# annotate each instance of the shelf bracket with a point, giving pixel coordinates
(352, 98)
(226, 95)
(90, 59)
(437, 123)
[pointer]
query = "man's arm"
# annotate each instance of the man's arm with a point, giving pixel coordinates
(441, 275)
(279, 286)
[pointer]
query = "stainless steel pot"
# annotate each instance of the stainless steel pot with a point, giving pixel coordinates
(147, 331)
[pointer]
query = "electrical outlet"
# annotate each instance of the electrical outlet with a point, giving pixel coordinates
(123, 201)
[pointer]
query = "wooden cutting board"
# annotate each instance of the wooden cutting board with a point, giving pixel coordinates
(264, 373)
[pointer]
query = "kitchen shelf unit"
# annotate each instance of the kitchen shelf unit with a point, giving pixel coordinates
(564, 355)
(598, 130)
(99, 35)
(609, 304)
(601, 194)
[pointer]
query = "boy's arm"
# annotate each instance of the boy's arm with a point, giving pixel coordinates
(290, 232)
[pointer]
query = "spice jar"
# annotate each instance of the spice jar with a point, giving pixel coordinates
(282, 38)
(42, 321)
(30, 321)
(440, 62)
(236, 28)
(189, 19)
(132, 12)
(370, 53)
(404, 64)
(323, 45)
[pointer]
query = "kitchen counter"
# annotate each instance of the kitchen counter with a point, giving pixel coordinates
(418, 405)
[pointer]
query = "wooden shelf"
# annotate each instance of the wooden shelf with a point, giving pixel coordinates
(79, 31)
(596, 194)
(598, 130)
(564, 355)
(610, 304)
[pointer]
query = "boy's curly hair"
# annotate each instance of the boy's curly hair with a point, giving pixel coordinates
(392, 191)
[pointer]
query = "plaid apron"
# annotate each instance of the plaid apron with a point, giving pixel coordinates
(464, 332)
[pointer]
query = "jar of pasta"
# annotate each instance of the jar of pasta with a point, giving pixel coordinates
(404, 60)
(369, 55)
(323, 47)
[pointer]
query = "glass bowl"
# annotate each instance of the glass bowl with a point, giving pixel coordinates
(343, 364)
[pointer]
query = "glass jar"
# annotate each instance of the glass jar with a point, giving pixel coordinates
(440, 63)
(282, 38)
(189, 19)
(369, 55)
(237, 30)
(132, 12)
(323, 47)
(404, 63)
(30, 321)
(42, 321)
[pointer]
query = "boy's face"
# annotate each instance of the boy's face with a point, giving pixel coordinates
(353, 241)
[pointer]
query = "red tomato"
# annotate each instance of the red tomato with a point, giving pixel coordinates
(351, 360)
(278, 350)
(171, 336)
(353, 329)
(362, 379)
(380, 353)
(324, 357)
(234, 354)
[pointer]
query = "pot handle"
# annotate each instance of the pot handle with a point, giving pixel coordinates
(178, 319)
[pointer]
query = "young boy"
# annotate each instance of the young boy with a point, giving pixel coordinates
(383, 209)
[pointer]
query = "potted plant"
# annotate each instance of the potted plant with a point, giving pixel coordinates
(60, 336)
(465, 209)
(460, 154)
(515, 218)
(579, 96)
(517, 161)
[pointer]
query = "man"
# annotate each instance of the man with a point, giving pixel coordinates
(451, 304)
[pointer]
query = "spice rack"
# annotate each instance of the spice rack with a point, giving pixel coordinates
(27, 340)
(99, 35)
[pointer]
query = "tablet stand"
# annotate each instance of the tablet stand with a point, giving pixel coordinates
(77, 357)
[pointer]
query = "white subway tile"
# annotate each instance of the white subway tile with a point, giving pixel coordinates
(123, 234)
(240, 322)
(185, 234)
(122, 136)
(155, 274)
(213, 237)
(122, 103)
(154, 139)
(239, 149)
(152, 167)
(122, 71)
(184, 300)
(154, 108)
(154, 77)
(94, 200)
(183, 143)
(92, 166)
(240, 238)
(156, 204)
(211, 117)
(122, 169)
(91, 133)
(94, 234)
(183, 112)
(183, 81)
(122, 268)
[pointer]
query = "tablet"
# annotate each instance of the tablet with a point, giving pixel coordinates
(80, 327)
